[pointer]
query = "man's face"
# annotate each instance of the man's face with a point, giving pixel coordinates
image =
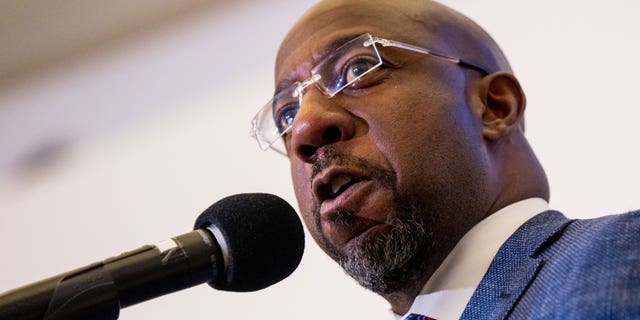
(388, 176)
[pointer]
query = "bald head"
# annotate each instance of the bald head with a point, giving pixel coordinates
(438, 27)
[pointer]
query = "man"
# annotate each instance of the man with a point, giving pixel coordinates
(404, 126)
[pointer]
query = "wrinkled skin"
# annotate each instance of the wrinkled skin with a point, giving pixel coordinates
(425, 148)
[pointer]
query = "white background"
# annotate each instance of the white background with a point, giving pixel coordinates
(127, 146)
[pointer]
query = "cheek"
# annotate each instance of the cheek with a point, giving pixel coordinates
(302, 188)
(403, 123)
(423, 130)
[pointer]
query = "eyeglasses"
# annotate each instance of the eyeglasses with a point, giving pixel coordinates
(345, 66)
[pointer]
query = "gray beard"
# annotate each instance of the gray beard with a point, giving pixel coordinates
(385, 261)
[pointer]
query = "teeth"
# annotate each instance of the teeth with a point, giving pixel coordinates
(338, 182)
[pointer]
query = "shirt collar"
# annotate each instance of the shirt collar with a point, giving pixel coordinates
(465, 266)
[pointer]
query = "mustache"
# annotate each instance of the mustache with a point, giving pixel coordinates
(325, 158)
(329, 156)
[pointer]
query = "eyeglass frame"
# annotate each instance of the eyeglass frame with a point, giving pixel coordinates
(300, 86)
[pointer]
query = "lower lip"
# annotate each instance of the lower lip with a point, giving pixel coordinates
(366, 202)
(351, 198)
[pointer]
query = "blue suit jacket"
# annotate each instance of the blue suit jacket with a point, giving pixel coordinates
(556, 268)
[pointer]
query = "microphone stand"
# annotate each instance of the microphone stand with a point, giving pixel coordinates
(99, 290)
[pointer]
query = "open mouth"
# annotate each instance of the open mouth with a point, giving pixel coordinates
(341, 183)
(336, 183)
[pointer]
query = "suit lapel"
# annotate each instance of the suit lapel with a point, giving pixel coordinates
(514, 267)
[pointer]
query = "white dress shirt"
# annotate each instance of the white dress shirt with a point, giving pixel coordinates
(447, 292)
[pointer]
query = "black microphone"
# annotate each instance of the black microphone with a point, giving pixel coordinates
(244, 242)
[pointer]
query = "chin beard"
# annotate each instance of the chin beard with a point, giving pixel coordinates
(390, 260)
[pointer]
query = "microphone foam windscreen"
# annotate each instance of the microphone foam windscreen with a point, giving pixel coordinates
(263, 236)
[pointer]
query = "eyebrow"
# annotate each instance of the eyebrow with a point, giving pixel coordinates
(317, 57)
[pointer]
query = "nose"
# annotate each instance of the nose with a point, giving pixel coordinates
(320, 121)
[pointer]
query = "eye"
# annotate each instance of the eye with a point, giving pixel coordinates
(357, 67)
(284, 116)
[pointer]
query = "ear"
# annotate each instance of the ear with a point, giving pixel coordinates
(504, 104)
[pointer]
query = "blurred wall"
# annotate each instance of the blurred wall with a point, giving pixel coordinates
(125, 141)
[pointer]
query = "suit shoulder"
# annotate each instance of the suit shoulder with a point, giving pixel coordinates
(619, 226)
(609, 237)
(591, 264)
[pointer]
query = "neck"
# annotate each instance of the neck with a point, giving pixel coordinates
(402, 299)
(400, 303)
(522, 176)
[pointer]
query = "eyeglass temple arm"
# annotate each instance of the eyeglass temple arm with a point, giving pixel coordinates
(391, 43)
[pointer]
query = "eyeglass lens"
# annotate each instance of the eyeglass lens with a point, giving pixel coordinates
(343, 67)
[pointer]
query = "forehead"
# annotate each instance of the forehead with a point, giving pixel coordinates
(327, 27)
